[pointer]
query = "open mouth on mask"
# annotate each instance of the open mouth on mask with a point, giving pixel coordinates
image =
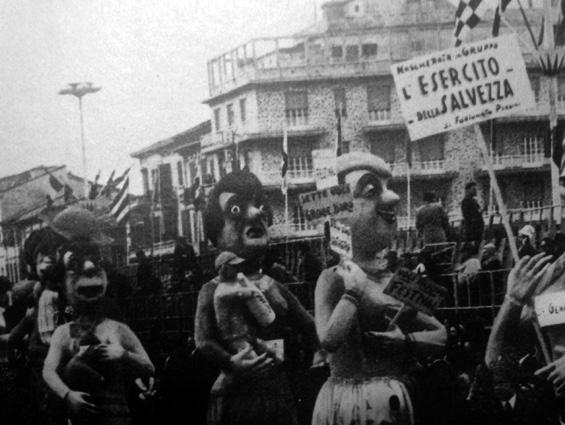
(255, 232)
(388, 215)
(90, 291)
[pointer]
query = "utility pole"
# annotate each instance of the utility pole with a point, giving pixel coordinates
(79, 90)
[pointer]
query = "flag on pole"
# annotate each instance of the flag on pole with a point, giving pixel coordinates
(121, 178)
(119, 207)
(468, 14)
(500, 8)
(284, 163)
(107, 187)
(95, 187)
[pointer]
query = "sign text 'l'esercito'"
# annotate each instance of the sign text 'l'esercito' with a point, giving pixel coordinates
(460, 86)
(333, 202)
(550, 308)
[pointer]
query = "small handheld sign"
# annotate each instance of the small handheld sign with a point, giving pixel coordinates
(340, 239)
(550, 308)
(416, 291)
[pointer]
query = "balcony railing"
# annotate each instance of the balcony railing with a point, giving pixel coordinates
(270, 178)
(380, 115)
(296, 117)
(432, 167)
(533, 159)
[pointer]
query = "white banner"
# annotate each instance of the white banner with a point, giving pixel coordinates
(465, 85)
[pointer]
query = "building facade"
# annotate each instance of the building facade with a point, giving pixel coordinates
(341, 66)
(173, 177)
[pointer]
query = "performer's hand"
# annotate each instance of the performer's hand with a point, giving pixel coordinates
(392, 341)
(554, 372)
(146, 390)
(354, 278)
(525, 276)
(109, 352)
(320, 358)
(78, 403)
(241, 365)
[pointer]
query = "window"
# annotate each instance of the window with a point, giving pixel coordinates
(351, 53)
(345, 146)
(340, 103)
(180, 173)
(242, 109)
(431, 148)
(145, 179)
(229, 110)
(296, 107)
(337, 52)
(369, 49)
(217, 122)
(378, 97)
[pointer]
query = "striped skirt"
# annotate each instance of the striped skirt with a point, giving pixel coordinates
(376, 400)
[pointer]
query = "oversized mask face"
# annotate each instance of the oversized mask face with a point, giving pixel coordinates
(374, 220)
(245, 225)
(85, 279)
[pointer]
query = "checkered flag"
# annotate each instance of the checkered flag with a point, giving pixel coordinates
(467, 16)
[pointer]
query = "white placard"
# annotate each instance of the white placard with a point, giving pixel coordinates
(457, 87)
(325, 168)
(550, 308)
(334, 202)
(340, 239)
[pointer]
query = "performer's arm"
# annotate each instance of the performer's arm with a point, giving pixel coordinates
(523, 279)
(336, 305)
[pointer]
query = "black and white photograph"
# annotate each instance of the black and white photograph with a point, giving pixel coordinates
(282, 212)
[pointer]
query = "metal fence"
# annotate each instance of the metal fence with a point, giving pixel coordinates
(171, 316)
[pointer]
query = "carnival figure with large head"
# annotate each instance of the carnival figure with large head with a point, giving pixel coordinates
(88, 357)
(251, 389)
(368, 355)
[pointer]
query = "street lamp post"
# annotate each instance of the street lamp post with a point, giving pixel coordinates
(79, 90)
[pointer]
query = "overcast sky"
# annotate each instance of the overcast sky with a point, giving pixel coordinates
(148, 56)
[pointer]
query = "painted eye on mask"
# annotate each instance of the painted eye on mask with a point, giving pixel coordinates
(370, 191)
(235, 210)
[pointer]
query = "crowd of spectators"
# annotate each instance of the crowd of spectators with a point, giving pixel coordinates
(459, 386)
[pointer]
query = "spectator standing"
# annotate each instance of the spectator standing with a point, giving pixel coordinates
(527, 241)
(185, 264)
(432, 222)
(309, 266)
(473, 223)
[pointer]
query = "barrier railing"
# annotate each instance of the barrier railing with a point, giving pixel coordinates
(173, 314)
